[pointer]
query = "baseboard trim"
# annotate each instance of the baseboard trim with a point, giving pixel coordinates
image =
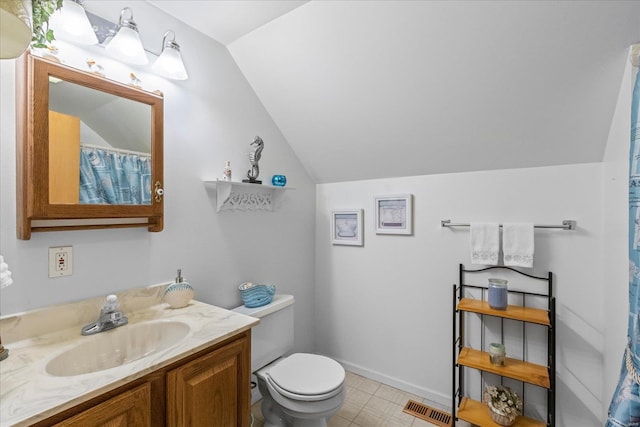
(440, 400)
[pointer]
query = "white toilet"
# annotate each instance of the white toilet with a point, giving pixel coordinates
(300, 389)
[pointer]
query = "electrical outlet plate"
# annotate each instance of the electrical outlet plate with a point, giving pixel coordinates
(60, 261)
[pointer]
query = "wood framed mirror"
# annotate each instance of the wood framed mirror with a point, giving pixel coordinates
(89, 151)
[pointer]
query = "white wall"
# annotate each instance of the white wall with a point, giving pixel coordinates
(385, 309)
(210, 118)
(615, 253)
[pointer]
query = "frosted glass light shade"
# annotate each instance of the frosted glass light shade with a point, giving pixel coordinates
(71, 23)
(15, 27)
(127, 47)
(169, 64)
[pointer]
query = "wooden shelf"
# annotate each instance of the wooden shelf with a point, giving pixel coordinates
(513, 368)
(477, 413)
(475, 362)
(515, 312)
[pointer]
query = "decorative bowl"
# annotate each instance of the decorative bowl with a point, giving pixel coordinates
(346, 229)
(256, 295)
(178, 295)
(500, 419)
(279, 180)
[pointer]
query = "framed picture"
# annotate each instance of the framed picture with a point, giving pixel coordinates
(346, 227)
(394, 214)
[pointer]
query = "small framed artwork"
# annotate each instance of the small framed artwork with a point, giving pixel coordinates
(394, 214)
(346, 227)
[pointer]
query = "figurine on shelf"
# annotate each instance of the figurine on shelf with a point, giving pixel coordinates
(254, 158)
(94, 67)
(135, 81)
(227, 171)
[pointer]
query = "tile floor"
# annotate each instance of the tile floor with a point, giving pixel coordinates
(368, 404)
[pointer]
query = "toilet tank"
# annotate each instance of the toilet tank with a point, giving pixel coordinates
(273, 336)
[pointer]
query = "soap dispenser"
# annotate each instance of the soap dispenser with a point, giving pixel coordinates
(179, 293)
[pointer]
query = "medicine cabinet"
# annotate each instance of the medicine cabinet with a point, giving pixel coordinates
(89, 151)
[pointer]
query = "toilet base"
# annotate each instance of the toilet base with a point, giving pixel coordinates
(278, 418)
(300, 423)
(275, 415)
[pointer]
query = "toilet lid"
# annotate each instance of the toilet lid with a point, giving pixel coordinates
(307, 374)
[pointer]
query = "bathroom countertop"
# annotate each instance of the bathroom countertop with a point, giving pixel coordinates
(29, 394)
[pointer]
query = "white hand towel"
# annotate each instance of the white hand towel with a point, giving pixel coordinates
(5, 274)
(517, 244)
(485, 243)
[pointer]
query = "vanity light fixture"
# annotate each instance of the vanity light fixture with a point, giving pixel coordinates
(126, 45)
(169, 64)
(70, 23)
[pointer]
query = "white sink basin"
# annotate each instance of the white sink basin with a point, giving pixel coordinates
(117, 347)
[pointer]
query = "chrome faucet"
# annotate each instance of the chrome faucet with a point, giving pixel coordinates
(110, 317)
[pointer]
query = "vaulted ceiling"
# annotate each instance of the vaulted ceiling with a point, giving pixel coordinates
(372, 89)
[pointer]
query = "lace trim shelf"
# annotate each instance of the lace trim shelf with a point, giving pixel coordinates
(242, 196)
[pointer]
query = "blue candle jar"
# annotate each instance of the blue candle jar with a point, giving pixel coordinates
(498, 294)
(279, 180)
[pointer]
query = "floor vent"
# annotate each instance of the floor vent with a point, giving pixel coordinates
(427, 413)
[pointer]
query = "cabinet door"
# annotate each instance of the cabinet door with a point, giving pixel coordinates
(212, 390)
(131, 409)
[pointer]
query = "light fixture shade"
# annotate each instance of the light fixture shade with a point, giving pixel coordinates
(169, 64)
(15, 27)
(71, 23)
(126, 45)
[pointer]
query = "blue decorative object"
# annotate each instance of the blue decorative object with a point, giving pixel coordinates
(498, 294)
(256, 295)
(279, 180)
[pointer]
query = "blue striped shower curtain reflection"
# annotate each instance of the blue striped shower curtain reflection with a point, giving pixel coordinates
(115, 178)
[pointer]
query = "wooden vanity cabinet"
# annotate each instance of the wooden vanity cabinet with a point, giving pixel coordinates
(131, 408)
(208, 388)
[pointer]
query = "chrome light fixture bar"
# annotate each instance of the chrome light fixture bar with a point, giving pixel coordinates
(126, 45)
(73, 23)
(170, 64)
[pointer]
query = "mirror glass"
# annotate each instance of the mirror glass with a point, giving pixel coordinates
(99, 147)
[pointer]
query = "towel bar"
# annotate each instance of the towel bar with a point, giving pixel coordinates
(567, 224)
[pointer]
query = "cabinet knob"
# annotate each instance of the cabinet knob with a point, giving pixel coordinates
(159, 191)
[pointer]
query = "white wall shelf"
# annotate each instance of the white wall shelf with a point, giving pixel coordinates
(242, 196)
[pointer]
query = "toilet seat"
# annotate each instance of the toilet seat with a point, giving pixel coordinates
(307, 377)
